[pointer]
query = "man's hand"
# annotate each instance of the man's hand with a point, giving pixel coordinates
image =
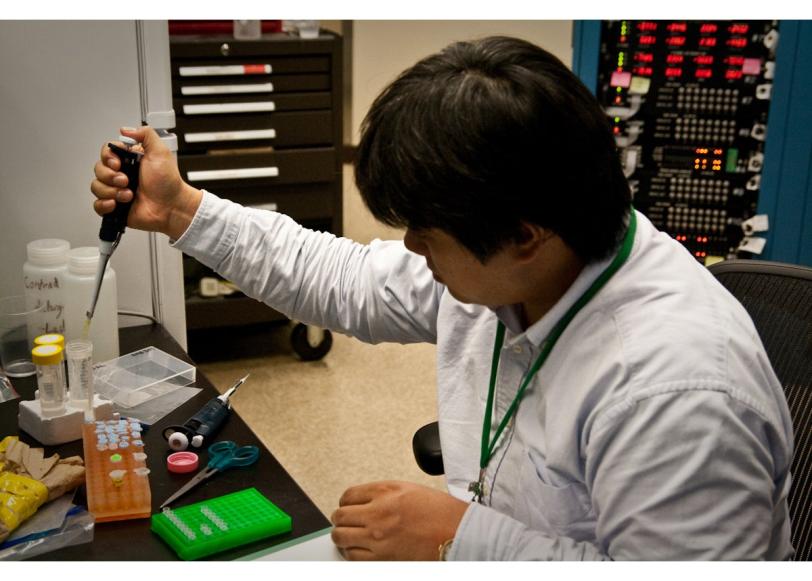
(165, 203)
(392, 520)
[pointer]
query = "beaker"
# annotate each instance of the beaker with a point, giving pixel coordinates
(17, 331)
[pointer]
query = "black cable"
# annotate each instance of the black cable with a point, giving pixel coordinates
(142, 315)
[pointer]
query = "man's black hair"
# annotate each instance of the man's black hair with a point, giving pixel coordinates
(486, 134)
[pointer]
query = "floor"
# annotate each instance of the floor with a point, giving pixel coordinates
(341, 421)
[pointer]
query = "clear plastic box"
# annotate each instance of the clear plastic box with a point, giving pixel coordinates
(144, 374)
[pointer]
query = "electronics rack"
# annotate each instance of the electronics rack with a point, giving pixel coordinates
(688, 102)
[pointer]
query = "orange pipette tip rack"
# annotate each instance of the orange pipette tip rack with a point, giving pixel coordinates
(116, 473)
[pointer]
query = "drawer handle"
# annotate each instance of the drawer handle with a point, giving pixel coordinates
(232, 174)
(218, 70)
(230, 135)
(221, 89)
(209, 108)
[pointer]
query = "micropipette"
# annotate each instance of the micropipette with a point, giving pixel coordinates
(114, 223)
(203, 425)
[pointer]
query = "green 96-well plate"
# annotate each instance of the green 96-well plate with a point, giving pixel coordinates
(221, 523)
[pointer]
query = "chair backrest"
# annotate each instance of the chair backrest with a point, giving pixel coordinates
(778, 298)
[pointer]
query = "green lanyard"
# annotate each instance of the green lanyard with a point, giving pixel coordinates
(489, 445)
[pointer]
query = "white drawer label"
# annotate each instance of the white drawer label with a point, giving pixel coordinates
(209, 108)
(232, 174)
(271, 206)
(213, 71)
(224, 89)
(230, 135)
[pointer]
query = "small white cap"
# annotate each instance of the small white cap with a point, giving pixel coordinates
(48, 251)
(83, 260)
(197, 441)
(178, 441)
(127, 140)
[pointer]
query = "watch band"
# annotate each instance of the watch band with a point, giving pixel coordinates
(443, 549)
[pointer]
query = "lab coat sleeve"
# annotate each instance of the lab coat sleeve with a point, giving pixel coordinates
(680, 473)
(376, 292)
(487, 535)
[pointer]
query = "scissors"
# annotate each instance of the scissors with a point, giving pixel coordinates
(222, 456)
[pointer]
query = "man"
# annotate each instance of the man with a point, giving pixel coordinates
(601, 396)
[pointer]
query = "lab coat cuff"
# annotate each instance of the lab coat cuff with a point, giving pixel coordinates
(211, 233)
(472, 541)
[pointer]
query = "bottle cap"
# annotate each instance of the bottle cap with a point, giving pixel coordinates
(48, 251)
(79, 349)
(128, 141)
(182, 462)
(50, 339)
(46, 355)
(83, 260)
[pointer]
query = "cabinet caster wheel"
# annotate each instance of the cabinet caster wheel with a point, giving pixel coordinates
(310, 343)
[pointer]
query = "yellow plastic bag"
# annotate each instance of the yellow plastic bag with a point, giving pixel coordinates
(6, 441)
(4, 444)
(20, 497)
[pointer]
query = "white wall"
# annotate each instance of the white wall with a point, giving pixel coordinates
(65, 88)
(382, 49)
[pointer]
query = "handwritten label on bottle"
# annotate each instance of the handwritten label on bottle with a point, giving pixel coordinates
(41, 283)
(48, 296)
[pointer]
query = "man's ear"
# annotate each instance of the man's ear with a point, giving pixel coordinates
(531, 239)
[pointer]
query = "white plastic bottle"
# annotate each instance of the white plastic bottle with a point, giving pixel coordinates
(80, 283)
(44, 279)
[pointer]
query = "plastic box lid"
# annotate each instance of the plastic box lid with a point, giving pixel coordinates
(144, 374)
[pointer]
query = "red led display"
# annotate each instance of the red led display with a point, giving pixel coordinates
(734, 61)
(673, 72)
(703, 59)
(647, 26)
(708, 28)
(733, 74)
(644, 57)
(707, 41)
(675, 41)
(643, 71)
(674, 59)
(738, 28)
(677, 27)
(737, 42)
(647, 39)
(704, 73)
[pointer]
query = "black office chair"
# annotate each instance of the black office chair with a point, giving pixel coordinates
(778, 298)
(426, 448)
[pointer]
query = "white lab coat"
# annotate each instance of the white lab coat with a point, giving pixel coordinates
(655, 430)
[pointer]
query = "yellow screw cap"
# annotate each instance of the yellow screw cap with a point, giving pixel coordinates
(47, 355)
(50, 339)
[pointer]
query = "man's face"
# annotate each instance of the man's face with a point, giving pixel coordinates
(467, 279)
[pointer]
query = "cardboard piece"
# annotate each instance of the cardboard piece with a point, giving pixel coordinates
(58, 475)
